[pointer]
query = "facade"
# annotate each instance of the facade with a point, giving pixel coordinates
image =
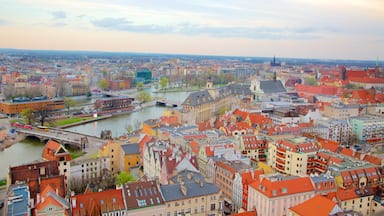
(359, 200)
(368, 129)
(254, 147)
(92, 170)
(225, 176)
(143, 198)
(144, 75)
(163, 159)
(281, 116)
(341, 111)
(13, 108)
(114, 104)
(275, 194)
(129, 157)
(51, 203)
(292, 156)
(190, 194)
(339, 130)
(112, 150)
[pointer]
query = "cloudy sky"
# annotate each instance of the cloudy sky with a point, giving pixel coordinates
(342, 29)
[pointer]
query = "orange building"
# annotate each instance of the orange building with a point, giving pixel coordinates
(11, 108)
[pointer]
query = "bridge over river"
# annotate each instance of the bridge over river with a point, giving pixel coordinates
(65, 137)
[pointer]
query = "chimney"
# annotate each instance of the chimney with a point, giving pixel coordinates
(183, 188)
(73, 202)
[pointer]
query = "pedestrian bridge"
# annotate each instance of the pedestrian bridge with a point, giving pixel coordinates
(64, 137)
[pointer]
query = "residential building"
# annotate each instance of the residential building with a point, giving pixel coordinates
(190, 194)
(108, 202)
(356, 199)
(163, 159)
(143, 198)
(54, 151)
(367, 129)
(51, 203)
(112, 150)
(225, 176)
(292, 156)
(241, 183)
(129, 157)
(92, 170)
(254, 147)
(275, 194)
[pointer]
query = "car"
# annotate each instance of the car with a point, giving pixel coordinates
(1, 204)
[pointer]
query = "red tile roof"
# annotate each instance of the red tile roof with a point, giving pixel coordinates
(97, 203)
(283, 187)
(319, 204)
(316, 90)
(346, 194)
(54, 151)
(373, 159)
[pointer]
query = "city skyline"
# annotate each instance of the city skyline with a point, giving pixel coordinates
(298, 28)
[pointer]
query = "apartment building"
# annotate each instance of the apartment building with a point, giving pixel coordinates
(368, 129)
(292, 156)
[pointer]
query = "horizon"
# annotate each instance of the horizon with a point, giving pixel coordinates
(187, 54)
(325, 29)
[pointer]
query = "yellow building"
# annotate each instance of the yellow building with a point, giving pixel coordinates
(150, 126)
(19, 105)
(359, 200)
(112, 150)
(129, 157)
(292, 156)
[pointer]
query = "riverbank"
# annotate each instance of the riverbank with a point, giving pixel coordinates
(7, 140)
(85, 121)
(176, 90)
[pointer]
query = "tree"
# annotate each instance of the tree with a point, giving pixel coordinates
(143, 97)
(68, 103)
(60, 85)
(124, 177)
(311, 81)
(103, 84)
(139, 85)
(8, 91)
(163, 82)
(28, 116)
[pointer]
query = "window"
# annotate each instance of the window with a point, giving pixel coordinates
(213, 206)
(202, 208)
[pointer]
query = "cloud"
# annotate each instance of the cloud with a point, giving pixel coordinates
(257, 32)
(59, 15)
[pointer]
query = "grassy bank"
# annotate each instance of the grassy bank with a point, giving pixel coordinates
(72, 120)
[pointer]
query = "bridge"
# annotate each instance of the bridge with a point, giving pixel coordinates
(65, 137)
(167, 103)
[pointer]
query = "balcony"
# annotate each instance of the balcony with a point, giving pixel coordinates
(279, 161)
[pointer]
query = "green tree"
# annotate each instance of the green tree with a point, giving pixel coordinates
(139, 85)
(28, 116)
(163, 82)
(68, 103)
(311, 81)
(124, 177)
(103, 84)
(222, 111)
(89, 94)
(143, 97)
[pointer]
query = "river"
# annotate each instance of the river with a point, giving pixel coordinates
(30, 150)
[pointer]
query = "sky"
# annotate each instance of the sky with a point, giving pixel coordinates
(327, 29)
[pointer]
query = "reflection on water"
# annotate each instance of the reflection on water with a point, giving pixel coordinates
(19, 153)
